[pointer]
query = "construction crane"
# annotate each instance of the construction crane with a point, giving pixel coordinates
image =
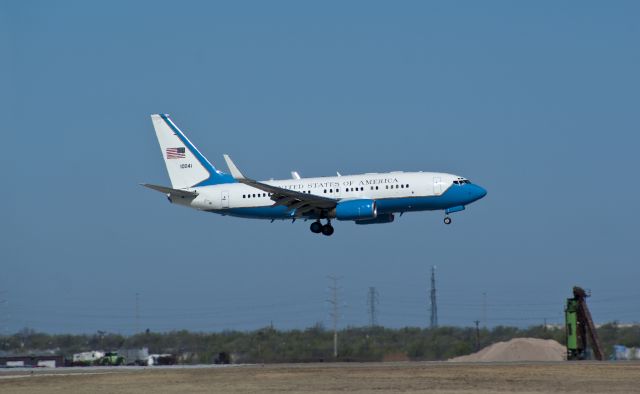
(580, 327)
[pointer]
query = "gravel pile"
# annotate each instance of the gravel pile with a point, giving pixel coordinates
(518, 349)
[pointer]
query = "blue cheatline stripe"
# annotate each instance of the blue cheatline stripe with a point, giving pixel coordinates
(456, 196)
(215, 177)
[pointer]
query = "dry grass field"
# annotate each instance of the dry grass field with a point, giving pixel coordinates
(405, 377)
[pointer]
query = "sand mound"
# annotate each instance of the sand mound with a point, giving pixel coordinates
(518, 349)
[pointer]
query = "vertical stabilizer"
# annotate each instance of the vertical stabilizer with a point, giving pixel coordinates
(186, 166)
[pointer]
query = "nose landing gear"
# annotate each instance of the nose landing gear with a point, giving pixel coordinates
(317, 227)
(447, 219)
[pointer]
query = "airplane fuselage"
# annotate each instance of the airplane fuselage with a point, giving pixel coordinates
(393, 192)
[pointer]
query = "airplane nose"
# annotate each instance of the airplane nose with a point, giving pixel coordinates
(477, 192)
(481, 192)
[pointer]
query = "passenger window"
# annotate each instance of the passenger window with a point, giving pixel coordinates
(330, 190)
(407, 186)
(254, 195)
(362, 189)
(337, 190)
(376, 187)
(402, 186)
(325, 190)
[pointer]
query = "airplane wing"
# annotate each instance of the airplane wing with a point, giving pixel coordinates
(301, 202)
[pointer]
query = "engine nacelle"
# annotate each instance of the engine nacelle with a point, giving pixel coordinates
(383, 218)
(356, 210)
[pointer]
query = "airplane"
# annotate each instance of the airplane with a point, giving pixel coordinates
(370, 198)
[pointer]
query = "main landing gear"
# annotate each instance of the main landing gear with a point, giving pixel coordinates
(447, 220)
(317, 228)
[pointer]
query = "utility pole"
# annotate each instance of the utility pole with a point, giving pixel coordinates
(334, 311)
(477, 334)
(137, 313)
(372, 301)
(434, 305)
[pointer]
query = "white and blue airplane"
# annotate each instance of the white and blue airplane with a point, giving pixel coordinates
(365, 199)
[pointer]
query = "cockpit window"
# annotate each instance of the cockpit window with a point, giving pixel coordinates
(462, 182)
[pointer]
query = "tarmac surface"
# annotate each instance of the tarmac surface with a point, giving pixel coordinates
(392, 377)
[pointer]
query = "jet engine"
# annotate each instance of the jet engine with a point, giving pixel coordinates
(356, 210)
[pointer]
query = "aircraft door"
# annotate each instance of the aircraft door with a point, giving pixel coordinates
(437, 186)
(224, 199)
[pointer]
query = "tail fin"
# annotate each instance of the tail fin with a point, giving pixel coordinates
(187, 167)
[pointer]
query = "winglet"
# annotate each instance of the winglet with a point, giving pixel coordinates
(235, 172)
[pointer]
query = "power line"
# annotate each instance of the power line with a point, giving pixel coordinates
(372, 302)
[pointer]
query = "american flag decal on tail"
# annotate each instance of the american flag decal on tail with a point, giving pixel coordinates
(175, 153)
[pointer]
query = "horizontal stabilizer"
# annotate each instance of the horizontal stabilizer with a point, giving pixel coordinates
(168, 190)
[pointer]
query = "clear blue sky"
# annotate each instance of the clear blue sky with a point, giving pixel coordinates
(536, 101)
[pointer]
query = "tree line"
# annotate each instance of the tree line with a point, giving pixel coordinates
(314, 344)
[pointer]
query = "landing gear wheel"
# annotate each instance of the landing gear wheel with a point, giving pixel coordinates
(327, 229)
(316, 227)
(447, 220)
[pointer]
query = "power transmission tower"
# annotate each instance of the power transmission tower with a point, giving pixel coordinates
(484, 309)
(477, 322)
(372, 302)
(334, 311)
(434, 305)
(4, 317)
(137, 313)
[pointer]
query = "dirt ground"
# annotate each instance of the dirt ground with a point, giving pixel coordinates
(405, 377)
